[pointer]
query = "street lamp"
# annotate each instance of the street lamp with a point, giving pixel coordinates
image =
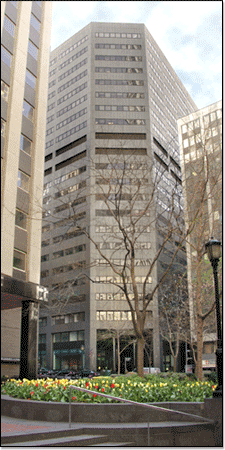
(82, 350)
(213, 248)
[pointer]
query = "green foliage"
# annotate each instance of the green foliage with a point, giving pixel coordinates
(152, 388)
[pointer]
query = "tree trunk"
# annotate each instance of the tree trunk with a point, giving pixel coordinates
(199, 348)
(140, 356)
(199, 321)
(175, 363)
(118, 353)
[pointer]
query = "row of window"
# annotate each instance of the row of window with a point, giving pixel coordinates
(119, 35)
(72, 93)
(71, 48)
(67, 268)
(118, 245)
(73, 69)
(121, 136)
(120, 82)
(119, 108)
(110, 296)
(120, 262)
(118, 180)
(70, 189)
(118, 315)
(71, 131)
(122, 166)
(119, 95)
(120, 122)
(72, 81)
(119, 46)
(113, 315)
(60, 337)
(57, 239)
(68, 336)
(115, 229)
(117, 58)
(118, 151)
(71, 106)
(63, 178)
(70, 220)
(69, 251)
(118, 70)
(77, 55)
(62, 269)
(68, 318)
(119, 280)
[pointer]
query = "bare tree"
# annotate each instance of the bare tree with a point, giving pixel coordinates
(203, 188)
(118, 334)
(174, 313)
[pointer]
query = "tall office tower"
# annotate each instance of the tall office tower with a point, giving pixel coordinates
(25, 31)
(200, 136)
(113, 105)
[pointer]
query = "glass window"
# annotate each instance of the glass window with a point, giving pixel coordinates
(9, 26)
(42, 338)
(19, 260)
(5, 56)
(39, 3)
(4, 91)
(23, 181)
(33, 50)
(28, 110)
(25, 144)
(80, 335)
(44, 258)
(185, 143)
(73, 336)
(14, 3)
(30, 79)
(65, 337)
(21, 219)
(3, 124)
(34, 22)
(213, 116)
(56, 336)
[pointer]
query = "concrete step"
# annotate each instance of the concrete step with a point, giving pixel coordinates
(81, 440)
(115, 444)
(172, 434)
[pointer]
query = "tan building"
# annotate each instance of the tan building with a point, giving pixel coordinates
(200, 136)
(113, 100)
(25, 47)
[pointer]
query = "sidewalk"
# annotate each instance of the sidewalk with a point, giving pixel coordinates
(13, 426)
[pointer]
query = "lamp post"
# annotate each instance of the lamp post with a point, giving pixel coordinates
(82, 350)
(213, 248)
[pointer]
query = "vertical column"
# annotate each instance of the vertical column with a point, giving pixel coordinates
(29, 342)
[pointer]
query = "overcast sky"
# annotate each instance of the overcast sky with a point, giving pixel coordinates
(188, 32)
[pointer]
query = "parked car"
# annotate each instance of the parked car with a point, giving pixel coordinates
(46, 373)
(86, 373)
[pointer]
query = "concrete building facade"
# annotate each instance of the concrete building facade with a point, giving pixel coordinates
(25, 39)
(113, 99)
(200, 135)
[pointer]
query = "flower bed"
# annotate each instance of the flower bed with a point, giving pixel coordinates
(152, 389)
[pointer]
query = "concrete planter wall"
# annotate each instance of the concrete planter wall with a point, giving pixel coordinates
(97, 413)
